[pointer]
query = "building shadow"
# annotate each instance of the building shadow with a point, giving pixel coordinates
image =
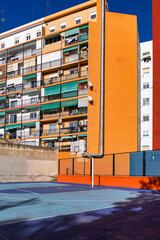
(151, 183)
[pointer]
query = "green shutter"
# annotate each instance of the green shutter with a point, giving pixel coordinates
(71, 32)
(52, 90)
(33, 75)
(69, 103)
(83, 37)
(69, 94)
(2, 113)
(84, 26)
(84, 80)
(69, 87)
(2, 126)
(44, 139)
(2, 98)
(10, 110)
(13, 126)
(70, 49)
(50, 106)
(28, 124)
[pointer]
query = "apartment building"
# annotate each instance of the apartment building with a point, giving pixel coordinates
(50, 81)
(146, 95)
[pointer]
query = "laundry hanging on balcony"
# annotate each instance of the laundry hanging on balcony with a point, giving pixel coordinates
(83, 102)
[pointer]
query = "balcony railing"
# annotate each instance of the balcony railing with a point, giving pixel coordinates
(21, 119)
(13, 89)
(31, 85)
(67, 130)
(21, 134)
(65, 77)
(75, 39)
(19, 55)
(22, 102)
(74, 112)
(61, 61)
(23, 71)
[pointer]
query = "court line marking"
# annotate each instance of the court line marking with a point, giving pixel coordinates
(27, 191)
(66, 214)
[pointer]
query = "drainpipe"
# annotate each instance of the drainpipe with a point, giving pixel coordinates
(92, 156)
(102, 84)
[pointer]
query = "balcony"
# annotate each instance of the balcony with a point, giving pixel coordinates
(21, 71)
(14, 89)
(22, 102)
(69, 59)
(74, 112)
(30, 85)
(66, 77)
(21, 134)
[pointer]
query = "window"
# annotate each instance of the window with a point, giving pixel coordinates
(33, 100)
(73, 71)
(145, 101)
(78, 20)
(146, 133)
(145, 85)
(53, 40)
(16, 40)
(2, 45)
(39, 34)
(13, 118)
(145, 148)
(145, 71)
(52, 28)
(63, 25)
(33, 115)
(14, 103)
(53, 128)
(33, 84)
(93, 15)
(146, 118)
(28, 37)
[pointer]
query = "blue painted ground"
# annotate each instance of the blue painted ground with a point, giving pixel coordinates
(27, 208)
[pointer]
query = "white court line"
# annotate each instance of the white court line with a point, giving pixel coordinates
(27, 191)
(66, 214)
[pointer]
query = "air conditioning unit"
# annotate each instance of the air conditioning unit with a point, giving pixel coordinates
(60, 72)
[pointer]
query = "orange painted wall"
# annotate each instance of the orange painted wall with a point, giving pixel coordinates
(152, 183)
(120, 83)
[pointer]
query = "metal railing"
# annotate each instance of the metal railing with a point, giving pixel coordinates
(21, 134)
(65, 77)
(21, 119)
(61, 61)
(67, 130)
(23, 71)
(64, 114)
(76, 39)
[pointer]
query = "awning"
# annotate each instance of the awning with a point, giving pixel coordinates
(83, 43)
(28, 124)
(2, 126)
(71, 32)
(84, 80)
(31, 107)
(2, 113)
(69, 94)
(50, 106)
(84, 26)
(33, 75)
(83, 102)
(70, 49)
(30, 91)
(29, 43)
(44, 139)
(2, 98)
(82, 135)
(52, 90)
(10, 110)
(69, 103)
(69, 87)
(2, 82)
(13, 126)
(68, 137)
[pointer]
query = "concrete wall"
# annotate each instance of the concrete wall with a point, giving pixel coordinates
(27, 163)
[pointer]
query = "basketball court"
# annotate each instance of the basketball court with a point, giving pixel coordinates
(67, 211)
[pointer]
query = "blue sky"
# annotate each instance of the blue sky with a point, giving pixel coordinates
(19, 12)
